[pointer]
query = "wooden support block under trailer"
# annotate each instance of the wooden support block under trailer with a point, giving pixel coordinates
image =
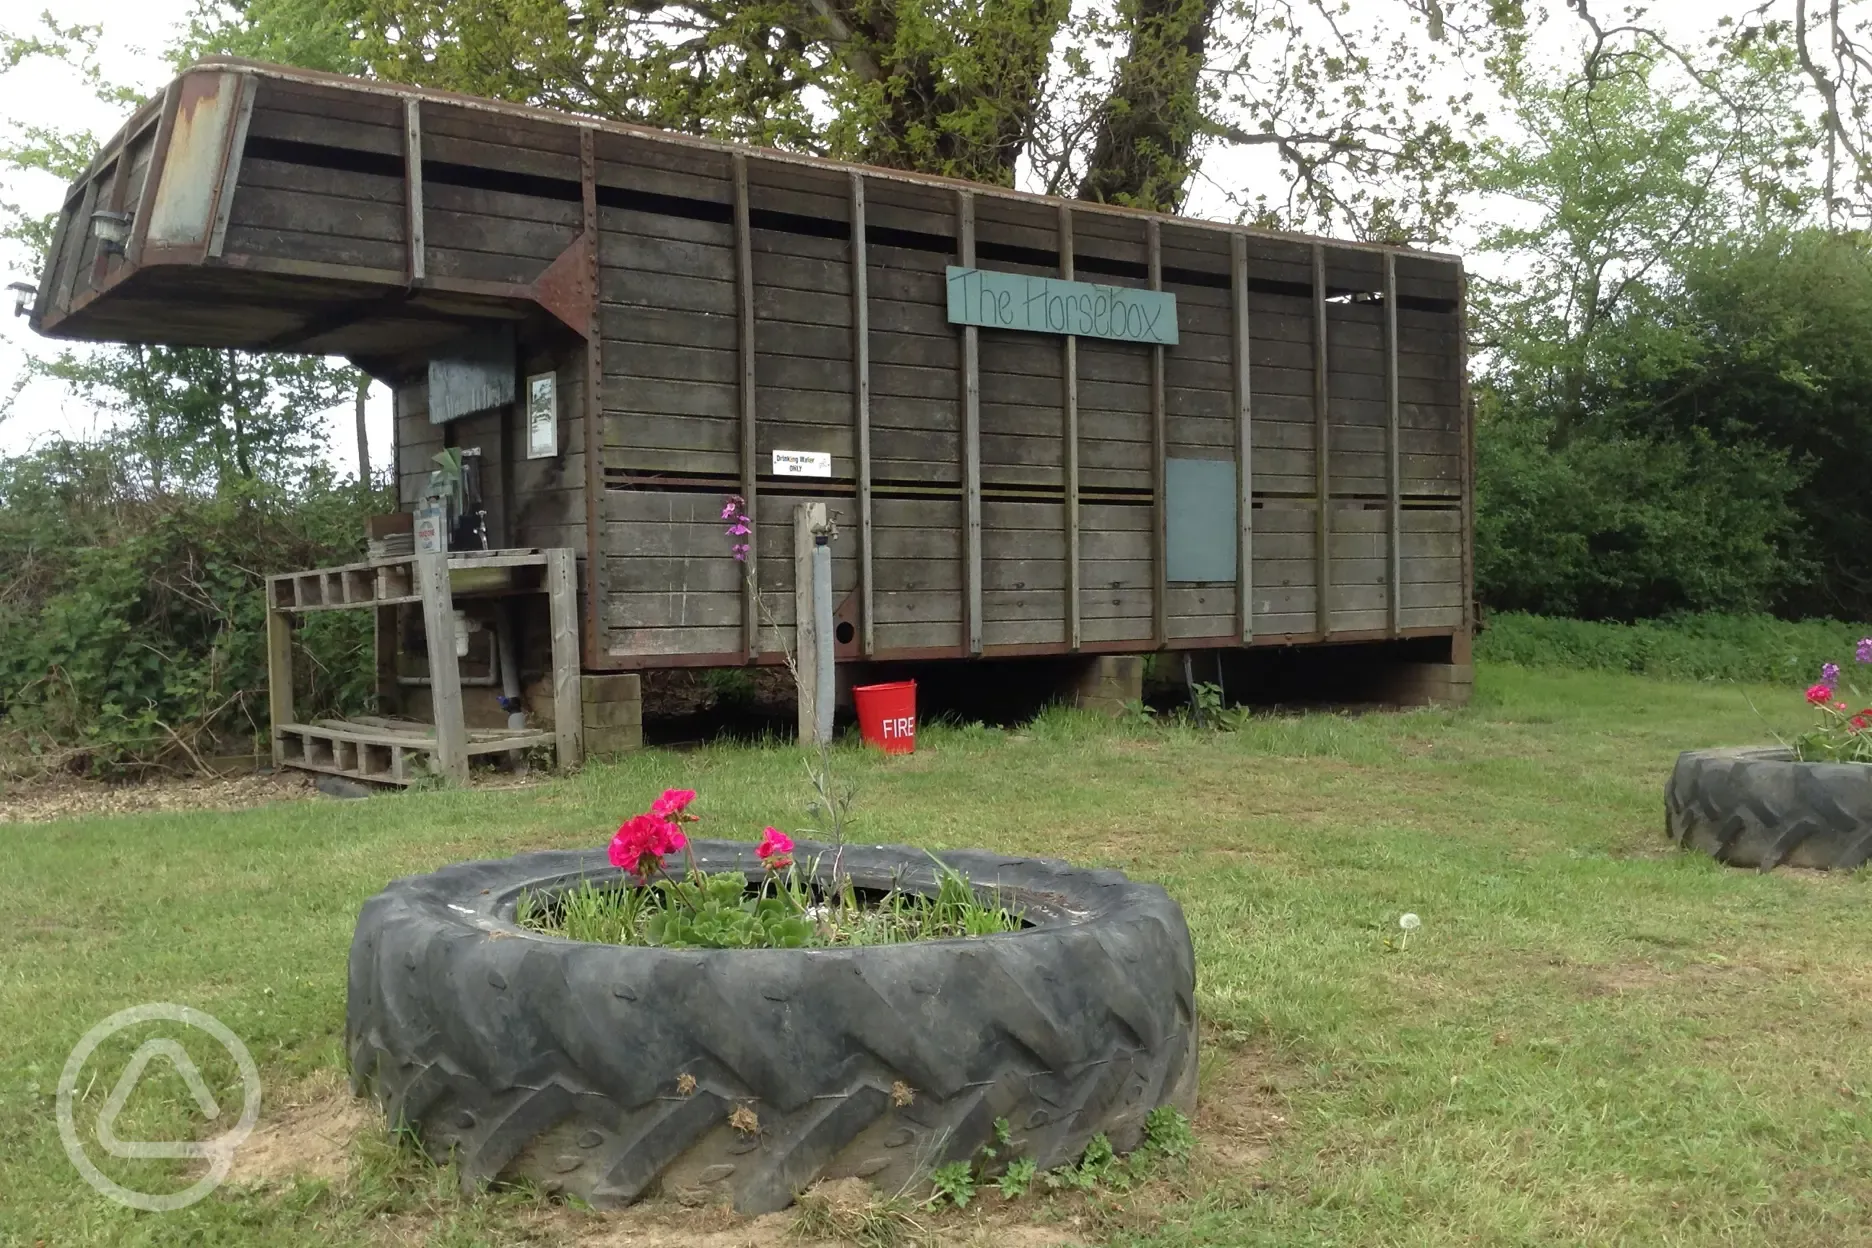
(1043, 427)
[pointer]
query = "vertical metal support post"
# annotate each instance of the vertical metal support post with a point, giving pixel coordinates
(1244, 439)
(416, 265)
(971, 440)
(861, 407)
(1069, 372)
(750, 466)
(1160, 538)
(1322, 451)
(1394, 499)
(809, 521)
(562, 610)
(438, 604)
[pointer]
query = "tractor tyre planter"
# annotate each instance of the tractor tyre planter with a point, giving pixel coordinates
(1762, 808)
(610, 1071)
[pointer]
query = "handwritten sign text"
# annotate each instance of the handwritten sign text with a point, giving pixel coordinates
(1051, 305)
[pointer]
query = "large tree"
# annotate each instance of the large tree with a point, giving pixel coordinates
(1114, 103)
(1614, 174)
(1674, 340)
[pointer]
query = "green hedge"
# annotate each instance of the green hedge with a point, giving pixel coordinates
(133, 625)
(1756, 648)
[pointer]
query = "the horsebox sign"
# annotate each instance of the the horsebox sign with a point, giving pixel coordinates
(1052, 305)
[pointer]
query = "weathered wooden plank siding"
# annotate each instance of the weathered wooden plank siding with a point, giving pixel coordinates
(548, 507)
(674, 588)
(417, 442)
(296, 200)
(324, 182)
(804, 371)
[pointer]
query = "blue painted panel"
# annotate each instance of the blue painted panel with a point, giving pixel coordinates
(1050, 305)
(1200, 519)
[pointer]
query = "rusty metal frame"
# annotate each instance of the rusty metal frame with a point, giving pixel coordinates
(152, 179)
(232, 156)
(1035, 650)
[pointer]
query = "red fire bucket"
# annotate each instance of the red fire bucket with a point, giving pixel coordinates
(887, 715)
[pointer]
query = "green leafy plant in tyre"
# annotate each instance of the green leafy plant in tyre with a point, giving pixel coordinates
(786, 908)
(1844, 734)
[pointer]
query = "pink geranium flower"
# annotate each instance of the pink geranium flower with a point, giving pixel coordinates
(673, 803)
(775, 850)
(642, 843)
(1820, 695)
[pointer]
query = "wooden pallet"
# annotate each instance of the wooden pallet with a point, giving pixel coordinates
(364, 751)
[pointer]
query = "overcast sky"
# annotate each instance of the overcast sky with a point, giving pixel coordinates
(136, 32)
(38, 93)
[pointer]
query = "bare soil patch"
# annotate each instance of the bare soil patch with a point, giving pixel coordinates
(308, 1133)
(1242, 1106)
(70, 797)
(311, 1130)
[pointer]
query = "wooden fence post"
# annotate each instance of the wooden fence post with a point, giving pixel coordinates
(438, 604)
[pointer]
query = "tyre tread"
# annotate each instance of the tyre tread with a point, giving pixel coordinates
(1762, 808)
(520, 1056)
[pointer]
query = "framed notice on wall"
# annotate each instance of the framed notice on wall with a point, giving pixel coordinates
(542, 416)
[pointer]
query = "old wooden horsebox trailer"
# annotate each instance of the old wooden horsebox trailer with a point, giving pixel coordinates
(1046, 427)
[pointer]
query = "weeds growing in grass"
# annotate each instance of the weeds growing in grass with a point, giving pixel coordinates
(1168, 1136)
(1017, 1178)
(876, 1222)
(954, 1182)
(1168, 1133)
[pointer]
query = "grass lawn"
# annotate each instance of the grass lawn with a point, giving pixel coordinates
(1591, 1039)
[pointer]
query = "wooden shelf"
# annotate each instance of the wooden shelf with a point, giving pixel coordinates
(389, 582)
(400, 751)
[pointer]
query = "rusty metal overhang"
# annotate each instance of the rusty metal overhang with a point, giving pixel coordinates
(174, 168)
